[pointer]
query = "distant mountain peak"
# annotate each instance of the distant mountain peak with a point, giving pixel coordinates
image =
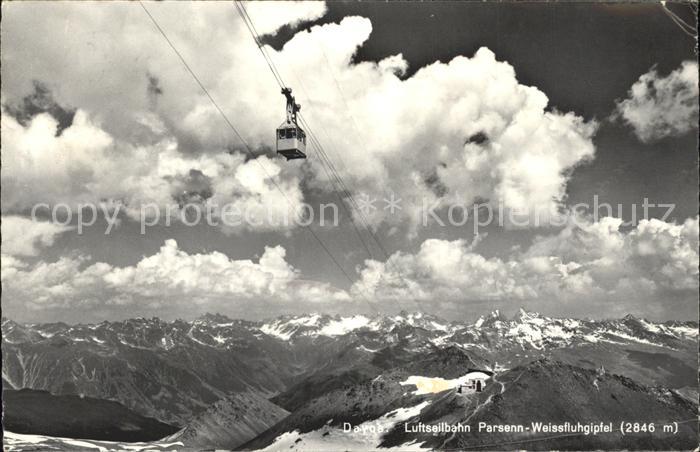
(490, 320)
(524, 314)
(404, 314)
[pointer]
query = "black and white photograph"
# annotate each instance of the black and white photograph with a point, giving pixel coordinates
(349, 225)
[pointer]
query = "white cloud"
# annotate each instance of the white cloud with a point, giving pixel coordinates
(668, 253)
(420, 133)
(410, 132)
(173, 279)
(173, 271)
(586, 267)
(25, 237)
(461, 130)
(441, 270)
(84, 164)
(657, 107)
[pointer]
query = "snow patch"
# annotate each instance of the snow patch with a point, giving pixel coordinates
(650, 326)
(311, 320)
(363, 348)
(330, 438)
(590, 338)
(684, 331)
(526, 334)
(431, 385)
(441, 340)
(276, 331)
(19, 441)
(344, 325)
(286, 328)
(439, 326)
(631, 338)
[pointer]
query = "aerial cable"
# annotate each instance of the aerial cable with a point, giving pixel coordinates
(363, 220)
(342, 93)
(270, 63)
(361, 216)
(325, 160)
(326, 163)
(248, 148)
(359, 135)
(251, 27)
(685, 27)
(676, 18)
(258, 42)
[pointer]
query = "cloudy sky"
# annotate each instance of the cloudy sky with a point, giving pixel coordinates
(519, 108)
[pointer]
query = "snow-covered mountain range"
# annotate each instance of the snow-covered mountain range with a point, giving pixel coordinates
(527, 329)
(185, 373)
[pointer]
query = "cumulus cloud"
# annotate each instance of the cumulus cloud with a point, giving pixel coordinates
(173, 279)
(585, 267)
(25, 237)
(419, 133)
(658, 107)
(115, 118)
(464, 129)
(85, 164)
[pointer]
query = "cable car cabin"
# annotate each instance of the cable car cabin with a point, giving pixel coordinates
(291, 141)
